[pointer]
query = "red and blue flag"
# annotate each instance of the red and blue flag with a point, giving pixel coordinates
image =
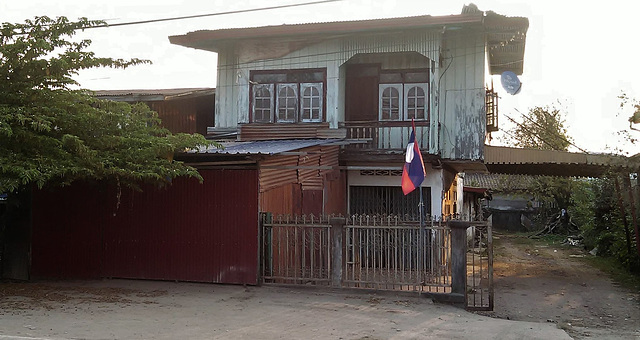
(413, 172)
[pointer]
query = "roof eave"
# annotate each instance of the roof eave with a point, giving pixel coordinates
(212, 40)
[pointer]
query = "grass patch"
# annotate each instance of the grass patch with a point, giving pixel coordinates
(616, 271)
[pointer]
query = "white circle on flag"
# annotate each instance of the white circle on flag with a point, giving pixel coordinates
(409, 154)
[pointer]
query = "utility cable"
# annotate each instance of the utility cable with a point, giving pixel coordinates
(213, 14)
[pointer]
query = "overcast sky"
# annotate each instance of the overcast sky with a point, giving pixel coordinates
(579, 55)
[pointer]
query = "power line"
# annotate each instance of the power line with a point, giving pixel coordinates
(213, 14)
(540, 126)
(540, 137)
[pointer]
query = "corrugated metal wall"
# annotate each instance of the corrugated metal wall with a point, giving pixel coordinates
(189, 232)
(189, 115)
(295, 184)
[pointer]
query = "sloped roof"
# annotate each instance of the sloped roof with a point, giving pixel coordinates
(153, 94)
(500, 159)
(505, 35)
(498, 181)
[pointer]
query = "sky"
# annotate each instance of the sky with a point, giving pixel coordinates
(579, 57)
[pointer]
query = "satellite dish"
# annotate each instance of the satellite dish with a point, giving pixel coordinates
(510, 82)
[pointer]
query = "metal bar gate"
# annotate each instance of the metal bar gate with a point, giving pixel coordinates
(375, 252)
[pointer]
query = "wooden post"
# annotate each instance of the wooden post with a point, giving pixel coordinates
(458, 256)
(337, 232)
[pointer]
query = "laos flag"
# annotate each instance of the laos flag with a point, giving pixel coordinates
(413, 172)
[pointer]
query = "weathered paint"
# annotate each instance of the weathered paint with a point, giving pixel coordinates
(232, 99)
(190, 231)
(461, 97)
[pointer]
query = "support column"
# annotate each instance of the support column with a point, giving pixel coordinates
(458, 256)
(337, 232)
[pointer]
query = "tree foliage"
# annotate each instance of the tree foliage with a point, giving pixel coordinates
(53, 133)
(542, 128)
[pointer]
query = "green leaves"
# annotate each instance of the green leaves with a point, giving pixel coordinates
(542, 128)
(51, 134)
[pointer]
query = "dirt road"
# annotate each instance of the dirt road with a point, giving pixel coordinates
(552, 283)
(121, 309)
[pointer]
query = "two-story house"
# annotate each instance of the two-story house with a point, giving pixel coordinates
(364, 81)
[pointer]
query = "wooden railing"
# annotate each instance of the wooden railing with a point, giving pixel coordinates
(385, 135)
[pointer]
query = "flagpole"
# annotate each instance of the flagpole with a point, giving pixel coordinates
(421, 258)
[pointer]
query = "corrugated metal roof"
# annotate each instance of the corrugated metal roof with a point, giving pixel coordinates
(499, 159)
(498, 181)
(209, 39)
(154, 94)
(266, 147)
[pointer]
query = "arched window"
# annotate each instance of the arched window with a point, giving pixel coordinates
(287, 103)
(390, 101)
(311, 106)
(416, 102)
(262, 103)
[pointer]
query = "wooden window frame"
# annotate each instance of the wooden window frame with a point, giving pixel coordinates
(311, 97)
(404, 88)
(298, 88)
(255, 89)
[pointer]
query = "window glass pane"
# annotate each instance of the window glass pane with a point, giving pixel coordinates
(390, 103)
(416, 77)
(311, 101)
(304, 77)
(415, 102)
(287, 102)
(391, 77)
(262, 103)
(264, 78)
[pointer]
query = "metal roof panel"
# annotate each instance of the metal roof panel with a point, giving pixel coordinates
(265, 147)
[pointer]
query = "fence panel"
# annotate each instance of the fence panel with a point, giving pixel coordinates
(382, 252)
(479, 292)
(296, 250)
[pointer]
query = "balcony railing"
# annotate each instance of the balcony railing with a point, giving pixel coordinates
(386, 135)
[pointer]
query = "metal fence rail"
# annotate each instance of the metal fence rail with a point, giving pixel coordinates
(479, 292)
(387, 253)
(381, 252)
(296, 250)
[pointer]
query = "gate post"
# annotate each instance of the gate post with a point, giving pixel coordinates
(458, 256)
(337, 231)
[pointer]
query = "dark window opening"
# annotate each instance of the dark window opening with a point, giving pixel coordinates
(369, 200)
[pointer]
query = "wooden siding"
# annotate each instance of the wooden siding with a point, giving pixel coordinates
(462, 97)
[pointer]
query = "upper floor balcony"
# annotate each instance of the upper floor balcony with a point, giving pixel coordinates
(386, 135)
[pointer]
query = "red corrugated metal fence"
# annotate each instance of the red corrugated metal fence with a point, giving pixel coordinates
(190, 231)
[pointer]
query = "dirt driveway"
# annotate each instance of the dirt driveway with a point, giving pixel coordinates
(552, 283)
(121, 309)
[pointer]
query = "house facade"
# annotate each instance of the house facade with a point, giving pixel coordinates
(363, 82)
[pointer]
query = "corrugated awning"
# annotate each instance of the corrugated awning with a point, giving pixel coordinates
(265, 147)
(506, 160)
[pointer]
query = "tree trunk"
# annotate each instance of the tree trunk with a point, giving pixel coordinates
(623, 214)
(633, 213)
